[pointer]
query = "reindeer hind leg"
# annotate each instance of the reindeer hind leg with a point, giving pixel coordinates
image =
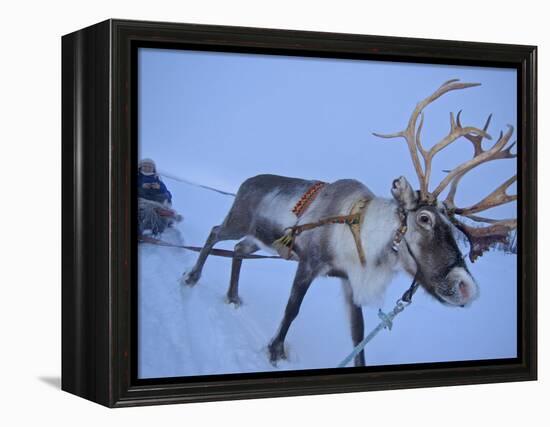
(217, 234)
(244, 247)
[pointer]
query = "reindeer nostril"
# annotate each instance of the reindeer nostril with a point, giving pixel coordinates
(463, 288)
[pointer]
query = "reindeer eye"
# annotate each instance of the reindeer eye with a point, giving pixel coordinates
(424, 219)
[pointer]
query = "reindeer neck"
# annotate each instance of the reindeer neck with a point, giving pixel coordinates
(380, 224)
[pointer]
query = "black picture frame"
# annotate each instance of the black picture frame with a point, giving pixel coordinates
(98, 204)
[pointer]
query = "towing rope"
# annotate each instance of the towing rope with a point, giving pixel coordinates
(217, 252)
(194, 184)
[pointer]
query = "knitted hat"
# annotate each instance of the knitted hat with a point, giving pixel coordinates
(143, 162)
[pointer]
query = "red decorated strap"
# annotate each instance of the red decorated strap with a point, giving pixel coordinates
(307, 198)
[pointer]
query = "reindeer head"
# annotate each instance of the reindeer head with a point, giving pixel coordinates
(429, 239)
(428, 248)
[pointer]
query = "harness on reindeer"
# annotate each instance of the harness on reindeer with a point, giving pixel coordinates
(285, 244)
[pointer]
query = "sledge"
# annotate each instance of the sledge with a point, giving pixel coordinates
(156, 217)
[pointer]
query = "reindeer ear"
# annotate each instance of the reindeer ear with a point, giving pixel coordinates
(402, 191)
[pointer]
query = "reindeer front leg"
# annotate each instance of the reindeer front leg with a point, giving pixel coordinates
(304, 276)
(356, 321)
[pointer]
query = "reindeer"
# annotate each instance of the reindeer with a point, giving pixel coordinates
(344, 230)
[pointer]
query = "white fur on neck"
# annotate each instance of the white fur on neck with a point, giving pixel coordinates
(369, 283)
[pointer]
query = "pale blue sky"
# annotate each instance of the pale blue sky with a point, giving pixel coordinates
(219, 118)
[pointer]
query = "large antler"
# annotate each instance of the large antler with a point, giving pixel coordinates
(412, 135)
(480, 238)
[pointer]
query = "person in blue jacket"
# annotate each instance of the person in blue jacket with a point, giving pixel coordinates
(150, 186)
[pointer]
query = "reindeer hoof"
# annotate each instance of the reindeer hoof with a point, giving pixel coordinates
(276, 353)
(360, 360)
(236, 301)
(190, 278)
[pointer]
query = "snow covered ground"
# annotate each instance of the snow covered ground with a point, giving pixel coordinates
(192, 331)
